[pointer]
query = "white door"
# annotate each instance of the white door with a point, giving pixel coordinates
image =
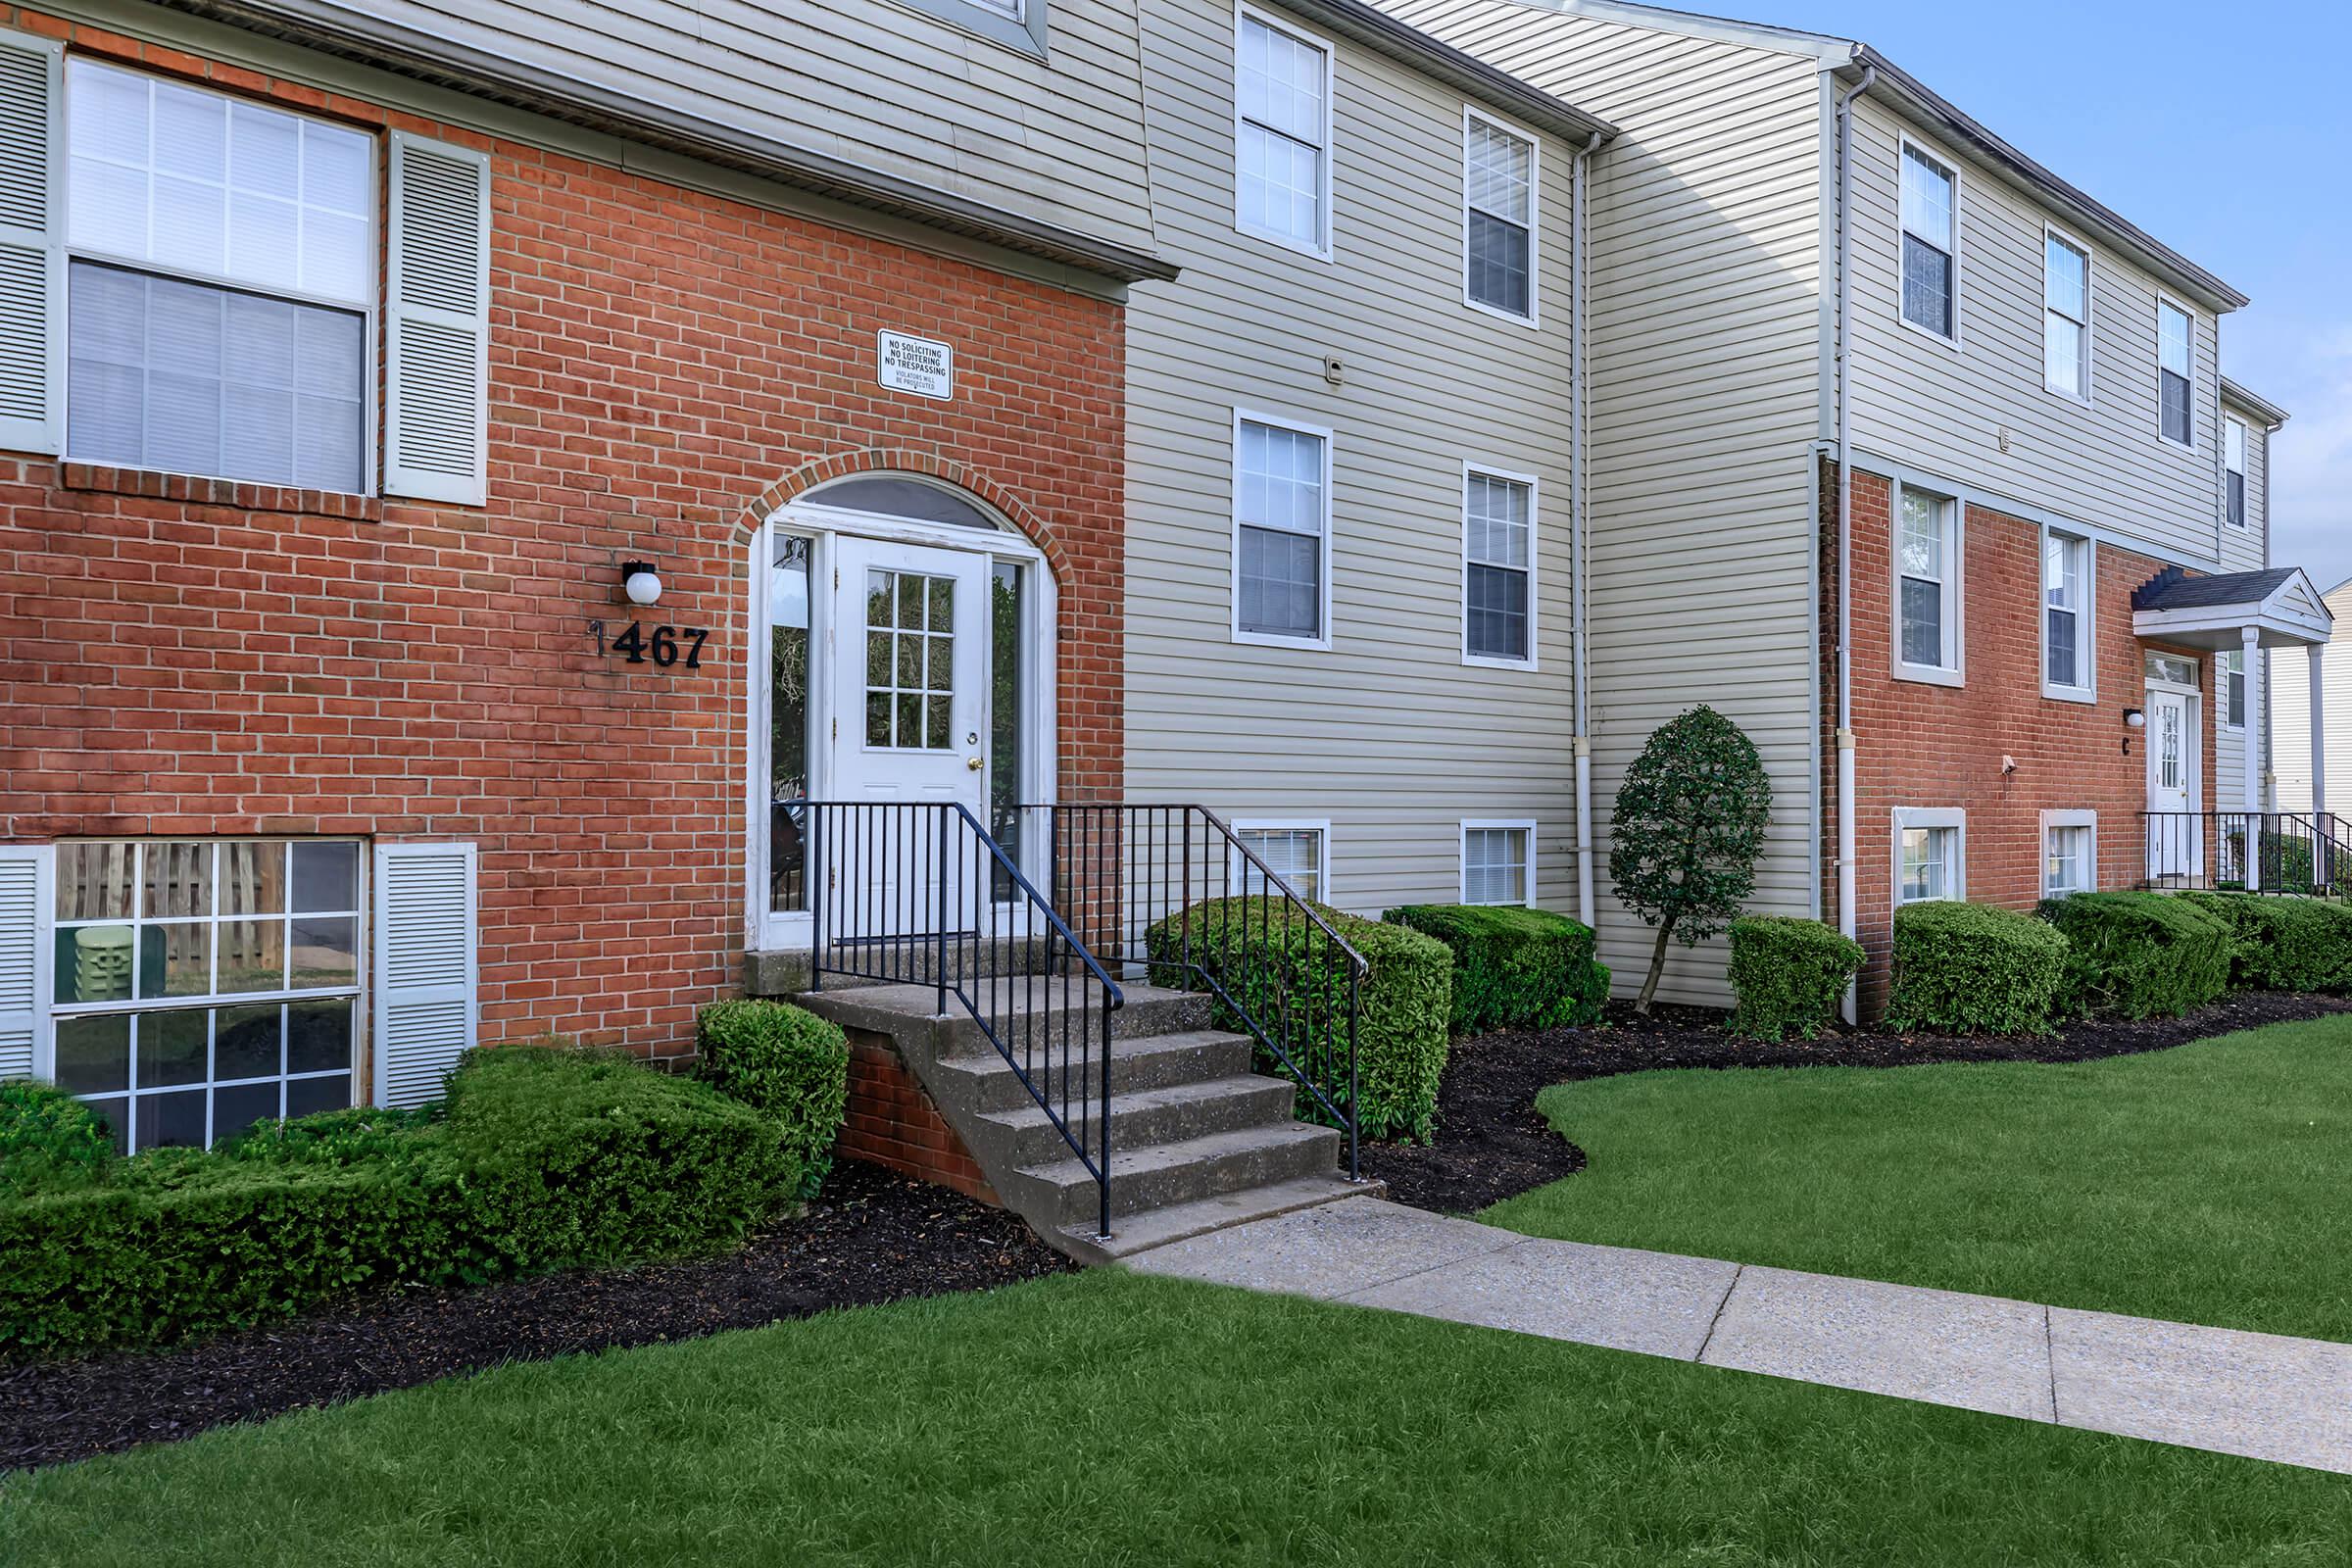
(910, 696)
(2175, 839)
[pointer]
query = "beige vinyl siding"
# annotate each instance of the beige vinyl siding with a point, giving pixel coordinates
(1922, 403)
(2248, 549)
(1706, 337)
(2291, 732)
(1387, 734)
(1058, 141)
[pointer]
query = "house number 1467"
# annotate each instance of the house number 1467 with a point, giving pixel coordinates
(662, 645)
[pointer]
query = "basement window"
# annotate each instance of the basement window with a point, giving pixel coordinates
(203, 985)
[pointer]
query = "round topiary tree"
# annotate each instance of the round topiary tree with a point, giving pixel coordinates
(1689, 826)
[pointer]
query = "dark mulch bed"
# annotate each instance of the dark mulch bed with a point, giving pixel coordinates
(873, 1237)
(1492, 1145)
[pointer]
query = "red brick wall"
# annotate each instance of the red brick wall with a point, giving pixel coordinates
(892, 1122)
(665, 367)
(1923, 745)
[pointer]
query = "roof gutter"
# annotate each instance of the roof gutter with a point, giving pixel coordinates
(1383, 33)
(1899, 87)
(337, 29)
(2254, 403)
(1847, 902)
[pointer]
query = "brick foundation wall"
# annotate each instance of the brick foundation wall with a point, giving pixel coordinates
(892, 1122)
(1925, 745)
(666, 368)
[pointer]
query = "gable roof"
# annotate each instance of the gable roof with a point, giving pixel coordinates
(1850, 58)
(2214, 611)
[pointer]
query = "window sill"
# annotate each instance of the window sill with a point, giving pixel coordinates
(153, 485)
(1532, 320)
(1287, 242)
(1260, 639)
(2068, 694)
(1487, 661)
(1929, 675)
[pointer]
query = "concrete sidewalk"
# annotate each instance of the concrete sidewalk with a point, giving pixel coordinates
(2257, 1395)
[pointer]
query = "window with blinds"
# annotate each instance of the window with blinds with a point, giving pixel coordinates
(220, 272)
(1496, 865)
(1499, 529)
(1281, 509)
(1293, 853)
(1499, 230)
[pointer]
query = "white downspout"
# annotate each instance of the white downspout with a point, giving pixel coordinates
(1577, 551)
(1846, 898)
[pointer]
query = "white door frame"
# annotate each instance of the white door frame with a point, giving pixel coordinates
(2193, 759)
(1040, 709)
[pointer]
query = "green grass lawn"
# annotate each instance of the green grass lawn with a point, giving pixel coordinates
(2209, 1184)
(1112, 1419)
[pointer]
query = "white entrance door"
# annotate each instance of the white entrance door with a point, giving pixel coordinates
(910, 699)
(2177, 840)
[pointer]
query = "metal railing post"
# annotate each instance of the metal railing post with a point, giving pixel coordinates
(941, 974)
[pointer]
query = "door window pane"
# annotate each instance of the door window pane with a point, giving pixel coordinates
(909, 660)
(788, 677)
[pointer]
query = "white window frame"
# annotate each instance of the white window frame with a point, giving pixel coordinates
(1954, 673)
(2165, 302)
(1905, 146)
(371, 449)
(1322, 250)
(2238, 434)
(1535, 506)
(1320, 826)
(2085, 619)
(2070, 818)
(2231, 663)
(1534, 217)
(1474, 824)
(360, 992)
(2051, 231)
(1262, 639)
(1930, 816)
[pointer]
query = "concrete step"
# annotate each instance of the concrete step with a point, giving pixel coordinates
(1143, 1116)
(1022, 1009)
(1150, 1061)
(1062, 1196)
(1140, 1233)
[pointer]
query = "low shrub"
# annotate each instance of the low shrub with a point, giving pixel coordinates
(49, 1141)
(1513, 967)
(544, 1157)
(2140, 955)
(1789, 975)
(785, 1062)
(2282, 942)
(1273, 962)
(1972, 967)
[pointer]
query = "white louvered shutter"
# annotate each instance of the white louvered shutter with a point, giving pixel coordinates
(26, 898)
(424, 967)
(437, 405)
(32, 268)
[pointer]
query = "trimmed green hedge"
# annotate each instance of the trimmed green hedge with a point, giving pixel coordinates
(49, 1141)
(1969, 966)
(2140, 955)
(2284, 943)
(784, 1061)
(1266, 956)
(1513, 967)
(1789, 975)
(541, 1156)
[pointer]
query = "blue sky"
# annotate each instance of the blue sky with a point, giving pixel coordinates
(2225, 130)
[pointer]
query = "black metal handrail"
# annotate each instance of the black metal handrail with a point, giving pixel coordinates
(2256, 851)
(1173, 892)
(920, 893)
